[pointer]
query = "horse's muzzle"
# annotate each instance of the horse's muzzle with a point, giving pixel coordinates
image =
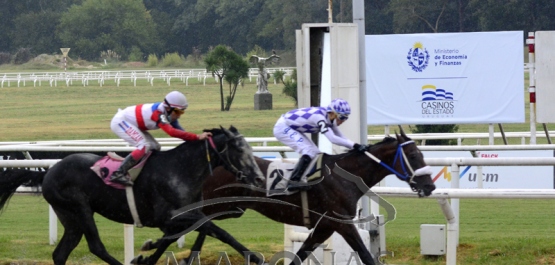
(426, 190)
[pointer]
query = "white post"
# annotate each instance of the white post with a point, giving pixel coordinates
(128, 243)
(452, 231)
(358, 18)
(479, 177)
(491, 134)
(52, 225)
(455, 202)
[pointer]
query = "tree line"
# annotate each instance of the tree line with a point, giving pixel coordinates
(136, 28)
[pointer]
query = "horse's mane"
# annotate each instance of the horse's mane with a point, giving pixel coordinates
(386, 140)
(216, 132)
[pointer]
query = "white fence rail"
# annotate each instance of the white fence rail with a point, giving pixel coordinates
(264, 141)
(100, 78)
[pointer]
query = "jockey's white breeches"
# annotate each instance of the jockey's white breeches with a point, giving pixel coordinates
(295, 139)
(133, 135)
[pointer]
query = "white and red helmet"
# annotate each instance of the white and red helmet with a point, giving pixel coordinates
(176, 100)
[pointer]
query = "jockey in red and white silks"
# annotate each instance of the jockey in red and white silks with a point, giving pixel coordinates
(132, 125)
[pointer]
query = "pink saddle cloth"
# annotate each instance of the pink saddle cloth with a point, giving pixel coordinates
(105, 166)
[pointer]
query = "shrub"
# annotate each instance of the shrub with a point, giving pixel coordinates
(22, 56)
(5, 58)
(173, 59)
(136, 55)
(290, 87)
(152, 60)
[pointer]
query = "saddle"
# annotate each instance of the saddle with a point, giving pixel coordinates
(105, 167)
(279, 173)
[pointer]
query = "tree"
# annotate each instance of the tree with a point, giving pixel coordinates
(35, 31)
(235, 75)
(411, 16)
(99, 25)
(229, 66)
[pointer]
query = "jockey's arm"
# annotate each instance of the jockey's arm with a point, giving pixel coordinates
(338, 140)
(173, 132)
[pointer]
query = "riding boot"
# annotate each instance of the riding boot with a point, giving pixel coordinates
(295, 180)
(120, 175)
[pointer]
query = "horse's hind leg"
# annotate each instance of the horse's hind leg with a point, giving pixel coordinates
(70, 240)
(78, 221)
(96, 246)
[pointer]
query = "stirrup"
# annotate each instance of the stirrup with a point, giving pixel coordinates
(121, 179)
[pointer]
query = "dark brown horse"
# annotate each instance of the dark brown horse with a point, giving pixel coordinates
(332, 202)
(168, 181)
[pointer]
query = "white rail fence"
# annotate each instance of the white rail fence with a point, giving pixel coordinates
(100, 78)
(265, 141)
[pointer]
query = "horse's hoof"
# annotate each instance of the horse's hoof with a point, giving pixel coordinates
(147, 245)
(137, 260)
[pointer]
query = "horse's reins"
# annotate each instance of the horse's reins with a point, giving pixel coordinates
(401, 155)
(238, 173)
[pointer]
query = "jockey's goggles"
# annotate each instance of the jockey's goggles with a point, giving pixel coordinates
(343, 117)
(179, 111)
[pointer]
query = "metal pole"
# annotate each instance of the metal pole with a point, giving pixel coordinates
(532, 85)
(358, 18)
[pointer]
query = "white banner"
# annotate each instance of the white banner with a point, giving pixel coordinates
(445, 78)
(493, 177)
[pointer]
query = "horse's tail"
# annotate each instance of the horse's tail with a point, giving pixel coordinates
(11, 179)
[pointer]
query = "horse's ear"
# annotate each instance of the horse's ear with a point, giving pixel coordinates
(233, 129)
(227, 132)
(402, 132)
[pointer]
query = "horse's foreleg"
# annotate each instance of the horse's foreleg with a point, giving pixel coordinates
(318, 236)
(215, 231)
(162, 245)
(197, 246)
(350, 233)
(177, 225)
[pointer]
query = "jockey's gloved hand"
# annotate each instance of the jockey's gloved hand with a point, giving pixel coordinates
(360, 147)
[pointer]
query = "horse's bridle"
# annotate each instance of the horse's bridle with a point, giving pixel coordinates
(238, 173)
(400, 154)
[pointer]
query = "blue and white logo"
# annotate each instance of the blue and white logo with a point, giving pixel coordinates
(437, 102)
(418, 57)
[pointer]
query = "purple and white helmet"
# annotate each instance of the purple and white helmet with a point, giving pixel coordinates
(339, 106)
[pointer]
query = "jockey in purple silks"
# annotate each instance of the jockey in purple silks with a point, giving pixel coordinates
(291, 127)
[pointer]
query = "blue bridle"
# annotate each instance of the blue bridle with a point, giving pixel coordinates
(408, 175)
